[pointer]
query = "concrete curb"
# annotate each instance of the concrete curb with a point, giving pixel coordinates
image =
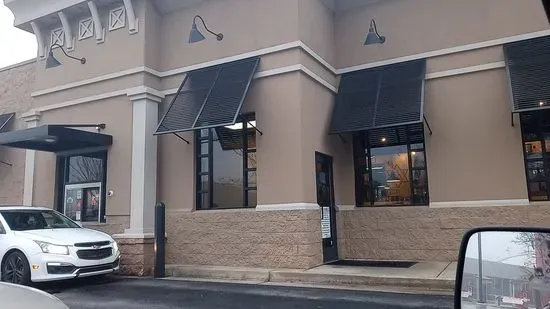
(285, 276)
(218, 272)
(361, 280)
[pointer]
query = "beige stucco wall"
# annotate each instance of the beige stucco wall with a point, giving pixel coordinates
(120, 51)
(15, 85)
(474, 152)
(317, 104)
(116, 113)
(316, 26)
(413, 27)
(279, 154)
(251, 25)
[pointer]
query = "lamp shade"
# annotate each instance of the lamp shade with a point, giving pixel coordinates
(51, 62)
(195, 35)
(373, 38)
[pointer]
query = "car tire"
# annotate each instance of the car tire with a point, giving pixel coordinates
(15, 269)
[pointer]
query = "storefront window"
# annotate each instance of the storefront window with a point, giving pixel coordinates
(535, 127)
(390, 167)
(81, 186)
(226, 174)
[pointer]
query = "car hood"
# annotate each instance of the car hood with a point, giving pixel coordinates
(23, 297)
(65, 236)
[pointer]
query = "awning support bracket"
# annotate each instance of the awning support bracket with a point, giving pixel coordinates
(6, 163)
(512, 118)
(427, 124)
(183, 139)
(342, 138)
(254, 127)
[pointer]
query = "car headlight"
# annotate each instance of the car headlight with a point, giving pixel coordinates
(115, 246)
(52, 249)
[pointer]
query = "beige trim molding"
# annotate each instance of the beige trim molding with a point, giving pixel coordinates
(279, 71)
(482, 203)
(466, 70)
(447, 51)
(19, 64)
(287, 206)
(345, 207)
(291, 45)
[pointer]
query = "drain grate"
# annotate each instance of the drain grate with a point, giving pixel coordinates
(366, 263)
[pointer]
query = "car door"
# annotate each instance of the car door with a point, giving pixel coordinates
(3, 239)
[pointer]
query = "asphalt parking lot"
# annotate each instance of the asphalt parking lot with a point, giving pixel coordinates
(122, 293)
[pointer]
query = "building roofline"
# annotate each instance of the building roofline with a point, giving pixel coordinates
(19, 64)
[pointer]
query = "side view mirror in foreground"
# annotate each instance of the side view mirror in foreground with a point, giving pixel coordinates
(504, 268)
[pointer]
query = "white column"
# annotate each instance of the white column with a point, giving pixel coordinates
(144, 160)
(32, 121)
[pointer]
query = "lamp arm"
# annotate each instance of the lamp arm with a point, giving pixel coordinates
(373, 22)
(206, 27)
(82, 60)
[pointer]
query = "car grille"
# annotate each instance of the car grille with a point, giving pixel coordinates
(95, 254)
(91, 244)
(91, 269)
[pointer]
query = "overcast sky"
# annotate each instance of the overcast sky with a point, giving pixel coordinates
(15, 45)
(498, 247)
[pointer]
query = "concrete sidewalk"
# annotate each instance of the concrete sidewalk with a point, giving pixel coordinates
(421, 278)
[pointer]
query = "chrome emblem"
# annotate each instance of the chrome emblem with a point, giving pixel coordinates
(96, 246)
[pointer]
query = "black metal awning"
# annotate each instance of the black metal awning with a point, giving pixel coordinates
(528, 67)
(209, 97)
(54, 138)
(381, 97)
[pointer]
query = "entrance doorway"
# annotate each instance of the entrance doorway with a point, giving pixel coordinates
(325, 200)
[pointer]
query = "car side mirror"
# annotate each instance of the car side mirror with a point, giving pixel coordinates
(504, 268)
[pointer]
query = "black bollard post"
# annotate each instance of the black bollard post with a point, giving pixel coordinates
(160, 233)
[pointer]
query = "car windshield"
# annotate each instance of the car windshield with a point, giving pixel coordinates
(25, 220)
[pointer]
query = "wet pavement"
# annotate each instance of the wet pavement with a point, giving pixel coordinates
(121, 293)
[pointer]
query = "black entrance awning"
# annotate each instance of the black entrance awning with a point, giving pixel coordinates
(381, 97)
(209, 97)
(54, 138)
(528, 66)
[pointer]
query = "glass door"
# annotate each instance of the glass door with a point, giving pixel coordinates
(83, 202)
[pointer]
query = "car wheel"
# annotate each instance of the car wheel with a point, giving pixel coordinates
(16, 269)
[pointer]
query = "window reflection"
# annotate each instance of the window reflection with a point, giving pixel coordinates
(393, 171)
(390, 175)
(231, 153)
(85, 169)
(536, 145)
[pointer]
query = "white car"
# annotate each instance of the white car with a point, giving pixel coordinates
(40, 244)
(15, 296)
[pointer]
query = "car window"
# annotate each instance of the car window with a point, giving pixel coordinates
(2, 230)
(24, 220)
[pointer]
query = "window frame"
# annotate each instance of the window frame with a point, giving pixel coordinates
(363, 149)
(545, 155)
(245, 120)
(62, 176)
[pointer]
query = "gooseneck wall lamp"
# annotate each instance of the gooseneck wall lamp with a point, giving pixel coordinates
(51, 62)
(195, 35)
(373, 37)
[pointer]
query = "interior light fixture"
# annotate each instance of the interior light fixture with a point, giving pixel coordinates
(541, 103)
(383, 139)
(195, 35)
(413, 153)
(373, 37)
(51, 62)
